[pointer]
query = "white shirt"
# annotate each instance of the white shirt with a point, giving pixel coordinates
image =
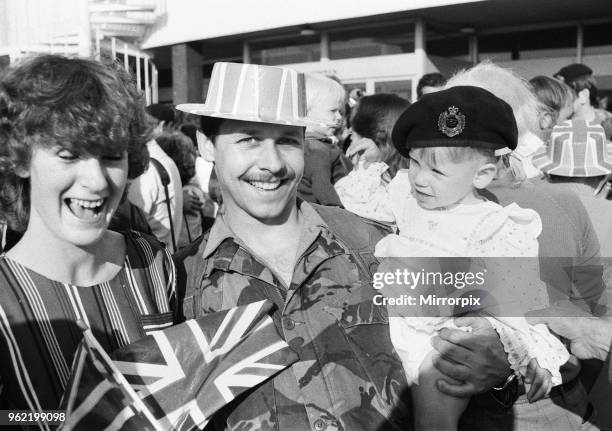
(203, 171)
(147, 193)
(527, 146)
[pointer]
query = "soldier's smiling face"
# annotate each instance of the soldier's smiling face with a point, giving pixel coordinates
(259, 167)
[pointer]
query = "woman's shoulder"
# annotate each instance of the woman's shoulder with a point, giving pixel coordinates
(143, 245)
(148, 259)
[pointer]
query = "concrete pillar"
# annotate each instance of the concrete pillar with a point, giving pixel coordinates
(84, 30)
(419, 54)
(246, 52)
(325, 47)
(155, 86)
(579, 43)
(186, 74)
(473, 49)
(370, 86)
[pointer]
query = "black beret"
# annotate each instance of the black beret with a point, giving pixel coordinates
(571, 72)
(462, 116)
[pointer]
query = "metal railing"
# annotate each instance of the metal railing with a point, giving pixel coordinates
(86, 28)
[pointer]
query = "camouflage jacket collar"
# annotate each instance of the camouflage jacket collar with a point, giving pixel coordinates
(227, 252)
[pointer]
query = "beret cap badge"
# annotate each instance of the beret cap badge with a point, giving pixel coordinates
(451, 123)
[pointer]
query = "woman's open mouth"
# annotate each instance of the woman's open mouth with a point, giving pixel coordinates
(86, 209)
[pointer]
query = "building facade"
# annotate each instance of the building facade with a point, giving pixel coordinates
(383, 46)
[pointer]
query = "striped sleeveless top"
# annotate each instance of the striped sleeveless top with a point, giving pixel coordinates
(38, 331)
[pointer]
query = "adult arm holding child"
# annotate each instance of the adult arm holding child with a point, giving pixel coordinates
(590, 337)
(475, 358)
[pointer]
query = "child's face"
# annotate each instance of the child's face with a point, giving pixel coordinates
(444, 183)
(329, 110)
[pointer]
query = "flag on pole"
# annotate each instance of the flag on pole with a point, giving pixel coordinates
(175, 379)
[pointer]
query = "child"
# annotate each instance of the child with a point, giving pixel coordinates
(324, 163)
(454, 140)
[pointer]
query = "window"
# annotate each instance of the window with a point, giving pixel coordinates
(367, 42)
(301, 49)
(553, 42)
(401, 88)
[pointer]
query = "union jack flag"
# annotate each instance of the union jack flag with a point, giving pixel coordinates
(577, 149)
(175, 379)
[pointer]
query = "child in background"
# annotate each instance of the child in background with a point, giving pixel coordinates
(180, 149)
(324, 163)
(456, 140)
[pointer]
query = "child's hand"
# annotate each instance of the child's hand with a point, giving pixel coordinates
(366, 149)
(538, 381)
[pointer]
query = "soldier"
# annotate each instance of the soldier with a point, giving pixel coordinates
(315, 263)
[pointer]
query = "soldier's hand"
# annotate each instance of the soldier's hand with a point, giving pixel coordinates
(476, 358)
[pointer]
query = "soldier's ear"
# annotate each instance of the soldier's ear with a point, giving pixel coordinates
(206, 147)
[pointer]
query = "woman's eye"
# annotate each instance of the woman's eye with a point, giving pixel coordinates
(67, 155)
(115, 157)
(435, 171)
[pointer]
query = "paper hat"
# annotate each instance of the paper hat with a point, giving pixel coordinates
(251, 92)
(577, 149)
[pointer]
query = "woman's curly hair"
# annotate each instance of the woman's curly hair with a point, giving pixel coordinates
(79, 104)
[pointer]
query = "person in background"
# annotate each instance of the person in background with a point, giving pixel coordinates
(324, 163)
(162, 205)
(373, 119)
(204, 172)
(351, 101)
(556, 103)
(182, 152)
(579, 159)
(586, 106)
(516, 91)
(429, 83)
(73, 132)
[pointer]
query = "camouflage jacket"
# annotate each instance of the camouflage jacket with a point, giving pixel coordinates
(348, 376)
